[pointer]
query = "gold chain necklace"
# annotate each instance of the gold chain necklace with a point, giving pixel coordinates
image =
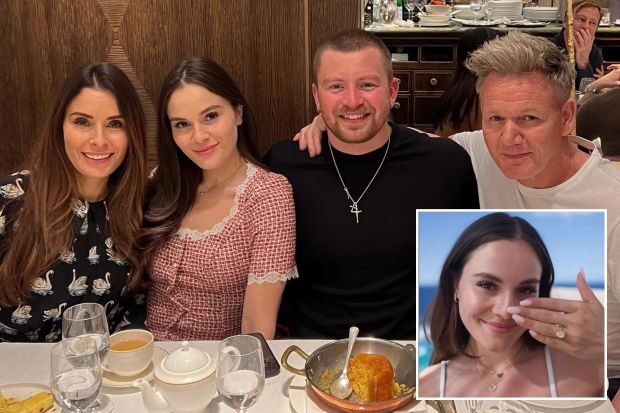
(501, 374)
(228, 178)
(354, 208)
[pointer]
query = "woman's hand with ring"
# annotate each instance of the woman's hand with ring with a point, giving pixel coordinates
(579, 323)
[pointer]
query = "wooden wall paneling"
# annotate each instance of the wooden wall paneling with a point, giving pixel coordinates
(266, 46)
(327, 17)
(281, 70)
(261, 47)
(42, 42)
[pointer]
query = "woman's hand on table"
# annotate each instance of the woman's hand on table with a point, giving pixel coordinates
(573, 326)
(610, 80)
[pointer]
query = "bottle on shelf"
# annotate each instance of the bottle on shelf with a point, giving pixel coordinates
(376, 11)
(399, 9)
(368, 13)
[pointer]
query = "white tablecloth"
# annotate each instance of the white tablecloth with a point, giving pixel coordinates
(27, 363)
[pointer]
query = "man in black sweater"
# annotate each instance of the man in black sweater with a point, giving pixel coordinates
(356, 202)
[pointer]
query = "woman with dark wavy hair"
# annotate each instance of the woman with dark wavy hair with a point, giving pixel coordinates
(69, 221)
(478, 349)
(219, 228)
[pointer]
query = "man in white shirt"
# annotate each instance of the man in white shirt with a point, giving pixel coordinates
(524, 157)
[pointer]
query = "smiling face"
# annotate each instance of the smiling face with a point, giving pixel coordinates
(497, 275)
(354, 95)
(204, 126)
(525, 127)
(95, 138)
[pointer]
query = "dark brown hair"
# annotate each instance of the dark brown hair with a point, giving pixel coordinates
(351, 41)
(448, 333)
(461, 98)
(173, 188)
(46, 216)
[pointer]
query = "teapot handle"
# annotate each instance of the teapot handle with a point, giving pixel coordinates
(232, 351)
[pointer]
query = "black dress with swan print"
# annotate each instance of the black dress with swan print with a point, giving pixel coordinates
(90, 271)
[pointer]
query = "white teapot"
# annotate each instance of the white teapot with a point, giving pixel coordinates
(184, 381)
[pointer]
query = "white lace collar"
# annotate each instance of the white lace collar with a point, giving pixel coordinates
(217, 228)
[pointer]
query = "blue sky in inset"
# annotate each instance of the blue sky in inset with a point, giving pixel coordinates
(575, 239)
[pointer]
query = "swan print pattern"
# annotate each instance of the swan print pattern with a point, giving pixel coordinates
(89, 270)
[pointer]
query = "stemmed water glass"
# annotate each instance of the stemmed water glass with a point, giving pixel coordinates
(240, 371)
(583, 85)
(76, 373)
(89, 320)
(475, 6)
(410, 5)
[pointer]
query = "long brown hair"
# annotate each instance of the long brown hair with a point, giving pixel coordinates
(448, 333)
(45, 219)
(173, 188)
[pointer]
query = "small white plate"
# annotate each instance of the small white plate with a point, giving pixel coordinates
(433, 24)
(22, 391)
(477, 23)
(560, 404)
(526, 23)
(114, 380)
(301, 402)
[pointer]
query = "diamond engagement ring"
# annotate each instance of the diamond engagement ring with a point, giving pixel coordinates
(560, 333)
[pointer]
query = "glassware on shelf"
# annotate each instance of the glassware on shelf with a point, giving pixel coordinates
(475, 6)
(410, 5)
(388, 11)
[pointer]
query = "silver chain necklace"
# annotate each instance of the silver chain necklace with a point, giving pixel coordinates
(354, 208)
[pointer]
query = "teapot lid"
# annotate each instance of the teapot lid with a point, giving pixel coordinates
(185, 365)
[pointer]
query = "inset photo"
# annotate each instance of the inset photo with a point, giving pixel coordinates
(511, 304)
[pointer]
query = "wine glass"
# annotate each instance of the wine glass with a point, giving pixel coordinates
(240, 371)
(410, 5)
(475, 6)
(583, 85)
(89, 320)
(76, 373)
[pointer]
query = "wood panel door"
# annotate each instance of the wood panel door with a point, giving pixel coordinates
(263, 44)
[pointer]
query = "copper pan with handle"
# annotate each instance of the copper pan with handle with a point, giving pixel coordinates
(327, 361)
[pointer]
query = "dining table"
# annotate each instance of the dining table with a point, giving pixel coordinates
(23, 364)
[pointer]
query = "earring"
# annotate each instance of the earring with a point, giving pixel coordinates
(456, 299)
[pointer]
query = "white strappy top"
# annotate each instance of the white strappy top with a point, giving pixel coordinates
(552, 387)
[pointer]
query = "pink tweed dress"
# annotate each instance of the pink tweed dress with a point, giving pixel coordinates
(199, 278)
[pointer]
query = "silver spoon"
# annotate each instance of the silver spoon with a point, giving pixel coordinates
(341, 387)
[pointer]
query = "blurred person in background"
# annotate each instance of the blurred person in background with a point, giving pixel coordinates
(459, 109)
(596, 116)
(68, 223)
(219, 229)
(588, 57)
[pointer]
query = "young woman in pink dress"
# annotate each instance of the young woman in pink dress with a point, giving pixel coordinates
(219, 228)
